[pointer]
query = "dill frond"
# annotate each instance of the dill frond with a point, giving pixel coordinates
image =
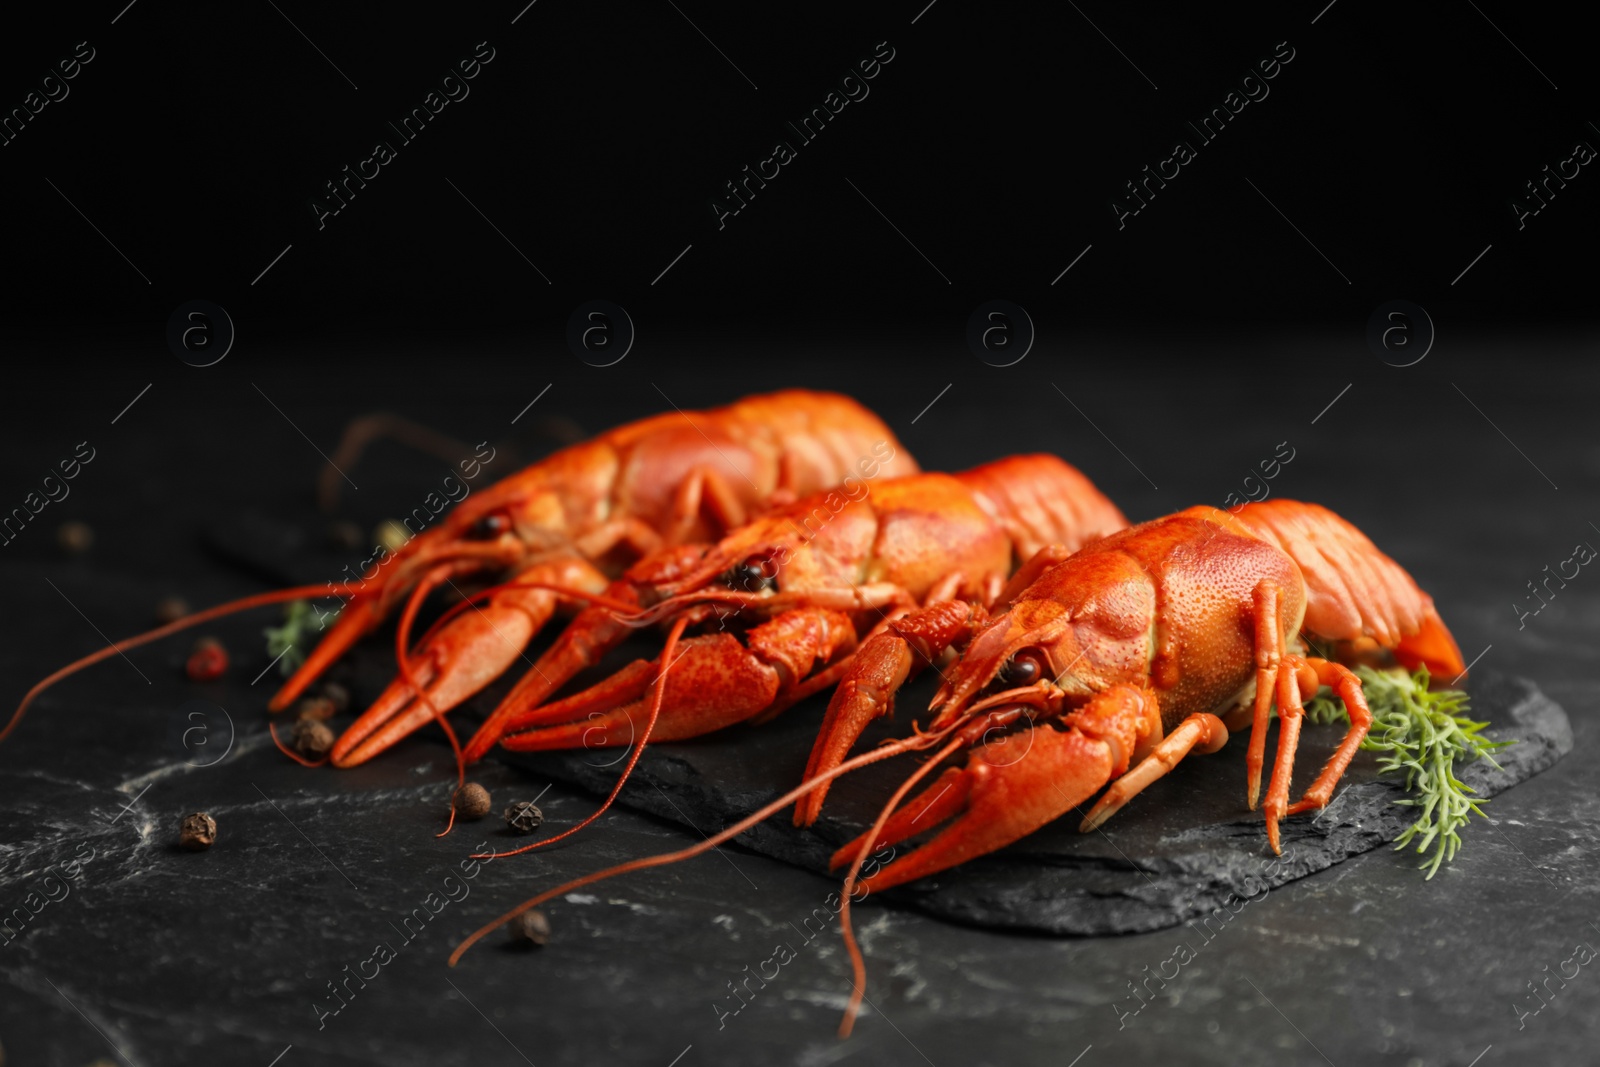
(1422, 734)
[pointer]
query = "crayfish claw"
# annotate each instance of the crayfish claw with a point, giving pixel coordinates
(999, 797)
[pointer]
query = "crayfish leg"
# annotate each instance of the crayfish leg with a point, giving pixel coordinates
(1287, 679)
(880, 667)
(1270, 653)
(704, 494)
(1296, 680)
(1347, 684)
(1201, 732)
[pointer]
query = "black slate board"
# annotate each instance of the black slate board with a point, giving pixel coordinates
(1183, 848)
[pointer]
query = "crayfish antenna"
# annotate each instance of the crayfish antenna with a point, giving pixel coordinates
(401, 637)
(581, 645)
(884, 751)
(658, 694)
(858, 964)
(277, 596)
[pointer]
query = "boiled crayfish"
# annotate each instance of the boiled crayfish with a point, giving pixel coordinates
(1146, 646)
(570, 519)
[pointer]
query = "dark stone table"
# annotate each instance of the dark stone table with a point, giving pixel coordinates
(149, 955)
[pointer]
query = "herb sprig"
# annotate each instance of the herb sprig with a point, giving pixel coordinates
(291, 640)
(1422, 733)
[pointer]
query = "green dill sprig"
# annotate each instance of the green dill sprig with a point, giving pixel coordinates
(1422, 733)
(291, 640)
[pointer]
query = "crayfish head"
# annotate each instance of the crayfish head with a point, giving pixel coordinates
(754, 564)
(461, 545)
(504, 526)
(1018, 659)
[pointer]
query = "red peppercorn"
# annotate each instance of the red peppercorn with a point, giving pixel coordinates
(208, 661)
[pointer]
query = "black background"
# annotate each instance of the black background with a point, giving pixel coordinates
(598, 136)
(1195, 339)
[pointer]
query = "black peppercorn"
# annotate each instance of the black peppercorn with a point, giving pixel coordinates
(198, 832)
(524, 817)
(312, 739)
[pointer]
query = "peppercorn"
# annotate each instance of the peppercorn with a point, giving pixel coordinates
(530, 928)
(524, 817)
(315, 708)
(471, 801)
(75, 538)
(208, 661)
(171, 609)
(338, 694)
(198, 832)
(312, 739)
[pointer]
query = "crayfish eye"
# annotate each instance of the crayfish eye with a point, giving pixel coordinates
(1024, 668)
(490, 526)
(751, 576)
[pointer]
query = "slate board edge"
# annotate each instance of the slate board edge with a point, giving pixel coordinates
(1168, 894)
